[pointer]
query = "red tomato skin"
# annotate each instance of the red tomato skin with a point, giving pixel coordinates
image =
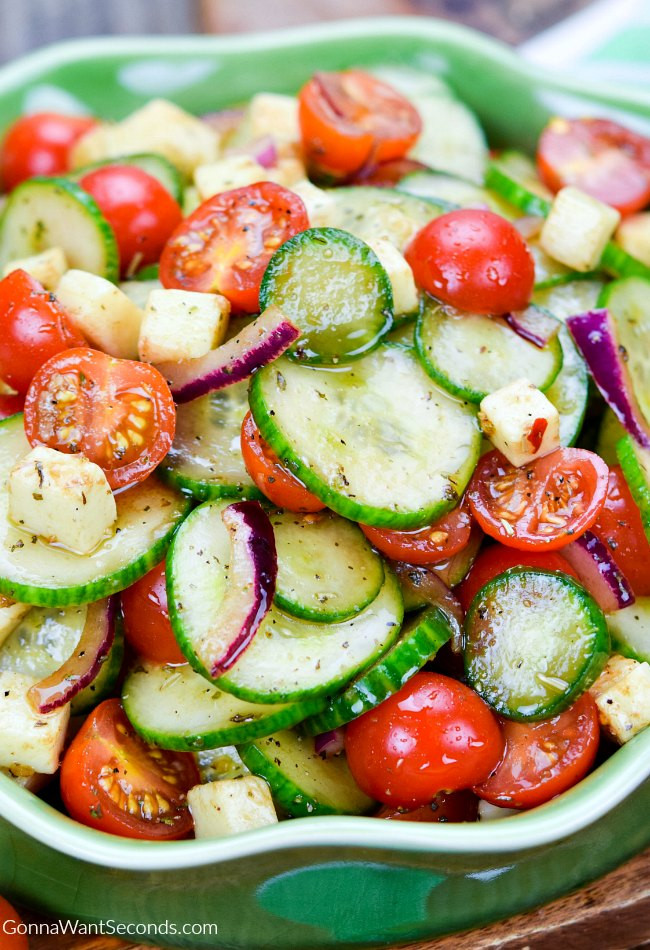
(473, 260)
(34, 328)
(497, 558)
(430, 545)
(543, 759)
(141, 212)
(10, 405)
(434, 734)
(146, 618)
(40, 144)
(10, 922)
(620, 528)
(445, 807)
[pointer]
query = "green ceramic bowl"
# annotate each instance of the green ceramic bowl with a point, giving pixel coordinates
(320, 882)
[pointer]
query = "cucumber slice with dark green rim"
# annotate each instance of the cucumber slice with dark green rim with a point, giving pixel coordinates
(628, 302)
(420, 640)
(153, 164)
(376, 441)
(42, 641)
(34, 572)
(105, 682)
(549, 272)
(534, 641)
(610, 433)
(327, 570)
(630, 630)
(205, 458)
(635, 463)
(54, 212)
(448, 188)
(569, 392)
(370, 212)
(301, 781)
(471, 355)
(175, 708)
(333, 287)
(564, 300)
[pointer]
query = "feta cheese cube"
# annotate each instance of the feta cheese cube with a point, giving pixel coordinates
(182, 325)
(405, 295)
(634, 236)
(318, 202)
(160, 126)
(47, 268)
(234, 171)
(230, 806)
(520, 422)
(286, 172)
(622, 694)
(269, 113)
(65, 499)
(102, 312)
(577, 229)
(27, 738)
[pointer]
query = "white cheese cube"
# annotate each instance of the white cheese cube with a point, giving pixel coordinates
(405, 295)
(235, 171)
(622, 694)
(634, 236)
(47, 268)
(230, 806)
(577, 229)
(65, 499)
(520, 422)
(101, 311)
(286, 172)
(181, 325)
(318, 202)
(10, 617)
(160, 126)
(272, 114)
(28, 738)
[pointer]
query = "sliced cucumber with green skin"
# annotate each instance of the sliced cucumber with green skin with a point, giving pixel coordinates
(628, 302)
(54, 212)
(175, 708)
(471, 355)
(301, 781)
(34, 572)
(104, 684)
(403, 335)
(420, 640)
(534, 641)
(635, 463)
(610, 433)
(153, 164)
(327, 570)
(569, 392)
(550, 273)
(445, 187)
(42, 641)
(205, 458)
(376, 441)
(630, 630)
(334, 289)
(575, 296)
(369, 212)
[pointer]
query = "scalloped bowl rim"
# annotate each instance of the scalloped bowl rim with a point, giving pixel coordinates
(568, 814)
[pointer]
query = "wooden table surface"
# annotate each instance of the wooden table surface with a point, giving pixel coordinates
(614, 912)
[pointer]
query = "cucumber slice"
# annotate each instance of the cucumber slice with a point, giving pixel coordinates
(569, 392)
(42, 641)
(54, 212)
(610, 434)
(301, 781)
(419, 641)
(471, 355)
(205, 458)
(549, 272)
(369, 212)
(288, 659)
(576, 296)
(34, 572)
(376, 441)
(105, 682)
(403, 335)
(628, 302)
(153, 164)
(175, 708)
(635, 463)
(333, 287)
(327, 570)
(445, 187)
(451, 138)
(534, 641)
(630, 630)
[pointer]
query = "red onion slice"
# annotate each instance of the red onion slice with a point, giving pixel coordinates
(599, 573)
(329, 744)
(82, 667)
(425, 583)
(259, 343)
(534, 325)
(595, 335)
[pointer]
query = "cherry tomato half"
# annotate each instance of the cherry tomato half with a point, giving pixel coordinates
(111, 779)
(10, 921)
(350, 119)
(269, 474)
(599, 156)
(40, 144)
(34, 328)
(119, 413)
(446, 806)
(497, 558)
(146, 618)
(541, 506)
(619, 526)
(225, 245)
(543, 759)
(474, 260)
(429, 545)
(434, 734)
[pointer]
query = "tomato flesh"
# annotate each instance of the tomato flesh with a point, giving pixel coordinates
(10, 922)
(543, 759)
(434, 735)
(496, 559)
(473, 260)
(119, 413)
(541, 506)
(429, 545)
(620, 528)
(40, 144)
(225, 245)
(111, 779)
(146, 618)
(446, 806)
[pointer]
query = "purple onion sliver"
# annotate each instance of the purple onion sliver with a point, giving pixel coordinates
(328, 744)
(598, 571)
(265, 152)
(534, 325)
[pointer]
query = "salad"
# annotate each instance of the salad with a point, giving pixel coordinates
(325, 459)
